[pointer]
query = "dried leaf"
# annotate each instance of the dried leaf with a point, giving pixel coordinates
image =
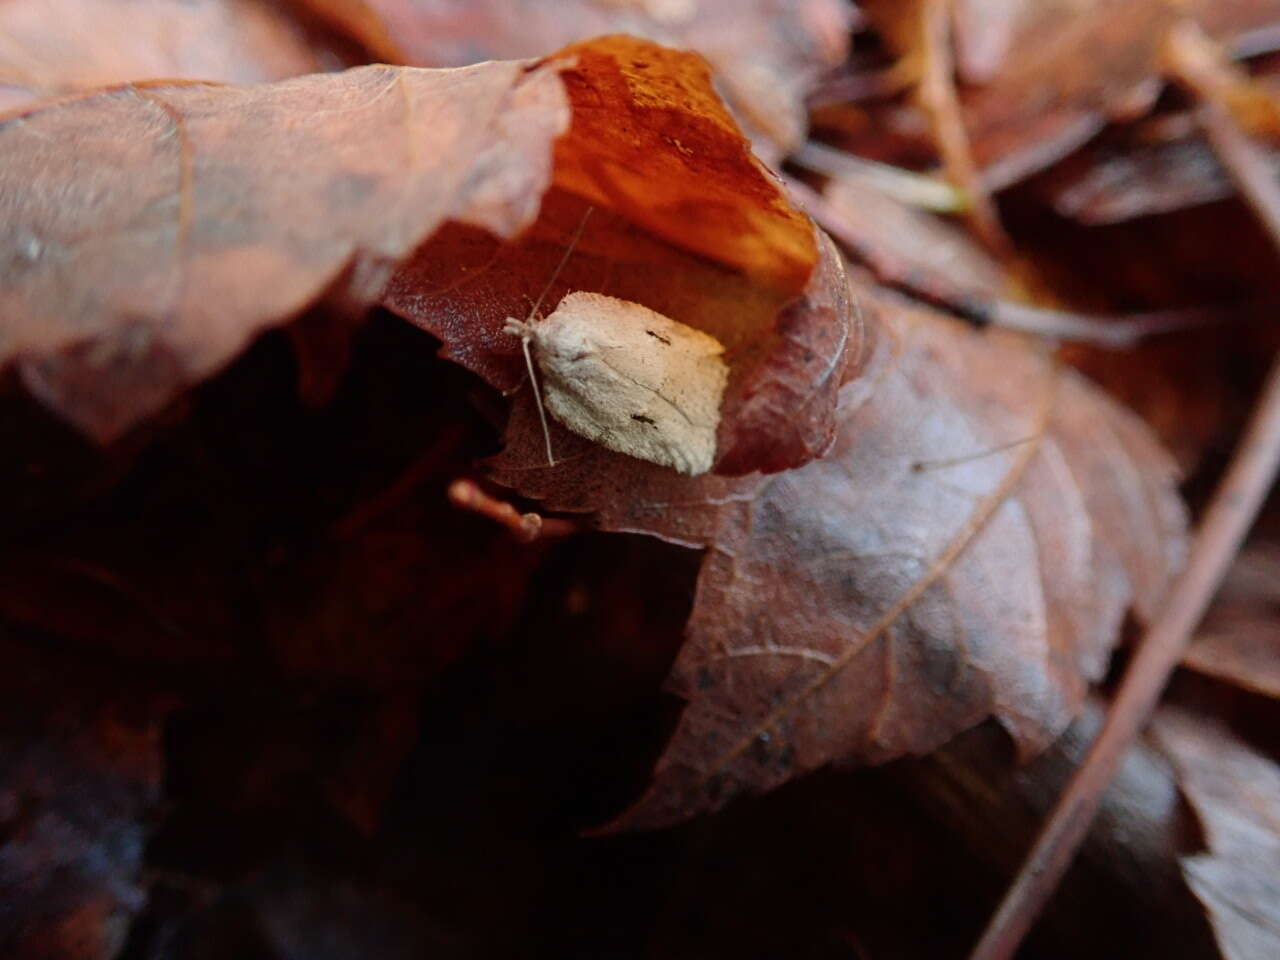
(767, 55)
(912, 248)
(968, 548)
(56, 47)
(686, 222)
(237, 208)
(1118, 180)
(151, 231)
(1091, 63)
(983, 32)
(1239, 641)
(1067, 69)
(1235, 791)
(1163, 163)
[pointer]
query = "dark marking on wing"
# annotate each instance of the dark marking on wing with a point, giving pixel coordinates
(658, 336)
(643, 419)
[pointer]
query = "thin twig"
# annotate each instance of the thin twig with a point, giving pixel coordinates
(905, 186)
(856, 86)
(525, 331)
(938, 96)
(1234, 506)
(1111, 333)
(525, 527)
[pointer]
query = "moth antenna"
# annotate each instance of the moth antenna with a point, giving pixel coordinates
(920, 466)
(526, 330)
(537, 395)
(568, 252)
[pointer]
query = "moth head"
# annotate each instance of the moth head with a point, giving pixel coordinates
(520, 328)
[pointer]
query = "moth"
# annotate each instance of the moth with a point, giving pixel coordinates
(626, 377)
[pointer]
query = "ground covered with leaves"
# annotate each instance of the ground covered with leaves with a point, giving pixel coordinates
(307, 648)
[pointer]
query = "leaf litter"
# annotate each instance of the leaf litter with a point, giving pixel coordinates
(911, 526)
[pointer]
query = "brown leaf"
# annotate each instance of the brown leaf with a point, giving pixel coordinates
(1239, 641)
(767, 55)
(79, 778)
(910, 247)
(151, 231)
(56, 47)
(968, 548)
(1235, 791)
(1066, 69)
(983, 32)
(1124, 177)
(1163, 163)
(687, 222)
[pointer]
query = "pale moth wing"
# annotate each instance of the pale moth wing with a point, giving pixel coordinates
(631, 379)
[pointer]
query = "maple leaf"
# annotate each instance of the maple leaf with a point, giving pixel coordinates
(766, 55)
(967, 549)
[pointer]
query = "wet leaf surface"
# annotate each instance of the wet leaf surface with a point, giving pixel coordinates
(270, 691)
(992, 581)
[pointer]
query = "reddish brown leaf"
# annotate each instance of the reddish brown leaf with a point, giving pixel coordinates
(968, 548)
(56, 47)
(687, 222)
(767, 55)
(1235, 791)
(238, 208)
(151, 231)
